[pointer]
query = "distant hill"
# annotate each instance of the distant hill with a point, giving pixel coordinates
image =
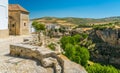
(78, 21)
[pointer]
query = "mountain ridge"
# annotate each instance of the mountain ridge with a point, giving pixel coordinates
(78, 21)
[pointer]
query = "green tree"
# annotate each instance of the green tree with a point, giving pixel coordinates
(84, 55)
(38, 27)
(65, 40)
(77, 38)
(70, 51)
(73, 50)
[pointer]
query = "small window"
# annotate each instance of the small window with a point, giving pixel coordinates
(24, 24)
(13, 25)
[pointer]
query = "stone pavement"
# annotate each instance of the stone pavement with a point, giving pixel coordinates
(9, 64)
(4, 43)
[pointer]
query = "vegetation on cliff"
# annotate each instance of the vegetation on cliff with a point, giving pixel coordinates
(97, 68)
(83, 47)
(73, 50)
(77, 49)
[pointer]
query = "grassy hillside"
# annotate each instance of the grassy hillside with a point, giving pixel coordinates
(78, 21)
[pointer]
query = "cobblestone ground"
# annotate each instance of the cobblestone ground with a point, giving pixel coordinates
(9, 64)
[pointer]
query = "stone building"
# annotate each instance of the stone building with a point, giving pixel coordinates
(4, 18)
(18, 20)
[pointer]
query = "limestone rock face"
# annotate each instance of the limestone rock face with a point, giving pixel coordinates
(107, 49)
(110, 36)
(71, 67)
(47, 61)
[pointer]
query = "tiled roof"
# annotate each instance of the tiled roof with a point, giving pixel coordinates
(16, 7)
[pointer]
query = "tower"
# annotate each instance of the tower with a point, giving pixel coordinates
(4, 32)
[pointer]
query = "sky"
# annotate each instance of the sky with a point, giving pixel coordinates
(70, 8)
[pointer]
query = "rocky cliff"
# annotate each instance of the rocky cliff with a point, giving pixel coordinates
(107, 49)
(47, 61)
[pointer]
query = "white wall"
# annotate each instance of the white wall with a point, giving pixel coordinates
(3, 14)
(31, 28)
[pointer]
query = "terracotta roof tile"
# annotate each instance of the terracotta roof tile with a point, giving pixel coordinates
(16, 7)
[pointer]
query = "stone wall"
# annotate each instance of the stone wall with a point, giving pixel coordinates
(24, 23)
(14, 22)
(18, 23)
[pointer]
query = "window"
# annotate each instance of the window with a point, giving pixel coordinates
(13, 25)
(24, 24)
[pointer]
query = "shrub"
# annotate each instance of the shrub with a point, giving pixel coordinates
(97, 68)
(52, 46)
